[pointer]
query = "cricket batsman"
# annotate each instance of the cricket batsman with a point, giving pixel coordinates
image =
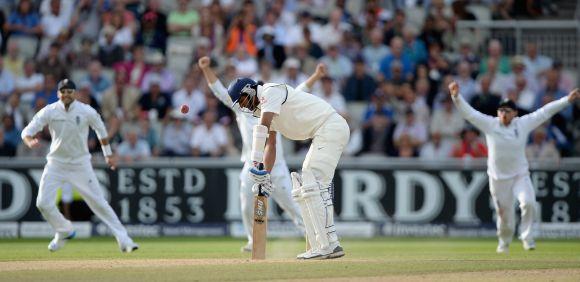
(280, 173)
(298, 115)
(69, 163)
(507, 166)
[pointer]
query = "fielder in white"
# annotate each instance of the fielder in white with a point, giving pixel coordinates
(507, 166)
(69, 163)
(298, 116)
(280, 173)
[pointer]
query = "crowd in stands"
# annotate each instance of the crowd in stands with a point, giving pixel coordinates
(136, 63)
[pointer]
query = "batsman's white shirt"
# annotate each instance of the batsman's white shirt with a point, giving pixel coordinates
(69, 131)
(507, 144)
(246, 121)
(298, 114)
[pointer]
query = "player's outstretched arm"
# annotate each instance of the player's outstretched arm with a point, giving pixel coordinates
(320, 72)
(215, 85)
(479, 120)
(531, 121)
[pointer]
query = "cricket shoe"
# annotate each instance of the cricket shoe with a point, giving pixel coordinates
(328, 253)
(247, 248)
(60, 240)
(128, 246)
(529, 245)
(503, 249)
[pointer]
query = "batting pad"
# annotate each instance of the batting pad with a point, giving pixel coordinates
(297, 195)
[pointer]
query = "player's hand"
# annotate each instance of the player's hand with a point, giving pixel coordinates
(265, 188)
(112, 162)
(32, 143)
(259, 176)
(453, 89)
(203, 62)
(574, 95)
(321, 70)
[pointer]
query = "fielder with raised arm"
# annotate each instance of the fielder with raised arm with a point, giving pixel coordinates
(298, 116)
(69, 162)
(280, 173)
(507, 166)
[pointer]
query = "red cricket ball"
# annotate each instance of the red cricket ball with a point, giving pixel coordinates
(184, 109)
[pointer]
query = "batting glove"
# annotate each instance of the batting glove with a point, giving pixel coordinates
(259, 176)
(265, 188)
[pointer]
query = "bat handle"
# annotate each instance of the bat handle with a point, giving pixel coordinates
(260, 167)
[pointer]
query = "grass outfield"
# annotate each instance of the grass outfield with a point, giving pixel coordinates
(195, 259)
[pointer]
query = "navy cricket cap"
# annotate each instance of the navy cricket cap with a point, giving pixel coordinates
(507, 103)
(66, 84)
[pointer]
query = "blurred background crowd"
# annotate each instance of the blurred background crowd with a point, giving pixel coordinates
(389, 63)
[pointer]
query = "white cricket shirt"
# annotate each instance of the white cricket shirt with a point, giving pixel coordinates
(69, 130)
(298, 114)
(246, 122)
(507, 144)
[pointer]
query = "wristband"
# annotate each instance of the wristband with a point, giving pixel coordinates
(107, 152)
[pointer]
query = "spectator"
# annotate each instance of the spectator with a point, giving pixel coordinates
(494, 51)
(519, 69)
(536, 64)
(13, 108)
(339, 66)
(7, 149)
(417, 104)
(360, 85)
(133, 148)
(120, 100)
(551, 92)
(28, 84)
(176, 136)
(136, 68)
(414, 48)
(209, 138)
(48, 93)
(84, 95)
(466, 54)
(246, 65)
(374, 52)
(120, 29)
(209, 28)
(292, 75)
(11, 132)
(24, 28)
(97, 79)
(565, 80)
(470, 146)
(13, 61)
(314, 49)
(465, 81)
(414, 128)
(437, 63)
(436, 148)
(267, 73)
(396, 56)
(500, 83)
(158, 69)
(486, 102)
(183, 20)
(156, 102)
(447, 122)
(53, 64)
(241, 35)
(378, 127)
(272, 52)
(524, 97)
(190, 94)
(150, 134)
(84, 55)
(332, 97)
(153, 31)
(307, 62)
(395, 28)
(333, 32)
(55, 22)
(109, 51)
(541, 148)
(7, 82)
(406, 147)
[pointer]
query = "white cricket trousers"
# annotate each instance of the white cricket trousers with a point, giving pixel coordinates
(280, 176)
(326, 148)
(83, 178)
(504, 193)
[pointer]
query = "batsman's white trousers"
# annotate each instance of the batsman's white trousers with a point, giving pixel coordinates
(280, 176)
(326, 148)
(83, 178)
(504, 193)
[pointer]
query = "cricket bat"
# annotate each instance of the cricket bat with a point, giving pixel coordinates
(260, 226)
